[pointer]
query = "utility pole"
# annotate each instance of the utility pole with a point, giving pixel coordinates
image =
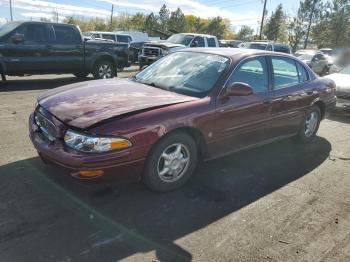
(310, 22)
(262, 20)
(111, 17)
(11, 10)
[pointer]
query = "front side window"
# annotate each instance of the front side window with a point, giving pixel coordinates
(200, 41)
(284, 72)
(193, 74)
(253, 72)
(123, 38)
(34, 33)
(66, 35)
(108, 37)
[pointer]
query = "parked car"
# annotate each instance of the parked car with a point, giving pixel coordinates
(230, 43)
(327, 51)
(135, 40)
(192, 104)
(269, 46)
(315, 60)
(342, 81)
(152, 51)
(52, 48)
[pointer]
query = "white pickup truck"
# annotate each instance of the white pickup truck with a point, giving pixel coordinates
(152, 51)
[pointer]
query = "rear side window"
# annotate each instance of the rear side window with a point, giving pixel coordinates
(253, 72)
(36, 33)
(285, 72)
(303, 75)
(211, 42)
(66, 35)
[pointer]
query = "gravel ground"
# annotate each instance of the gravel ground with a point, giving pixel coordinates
(280, 202)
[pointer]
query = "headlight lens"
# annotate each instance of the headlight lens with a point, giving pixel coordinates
(93, 144)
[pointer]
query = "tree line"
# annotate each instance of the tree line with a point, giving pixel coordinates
(322, 23)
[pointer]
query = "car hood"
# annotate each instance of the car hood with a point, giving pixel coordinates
(341, 80)
(84, 104)
(164, 44)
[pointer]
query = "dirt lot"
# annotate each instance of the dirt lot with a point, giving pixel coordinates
(280, 202)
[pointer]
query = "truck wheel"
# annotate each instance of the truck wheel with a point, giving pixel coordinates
(81, 75)
(103, 70)
(324, 71)
(171, 162)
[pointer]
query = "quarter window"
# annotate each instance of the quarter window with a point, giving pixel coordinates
(303, 75)
(253, 72)
(284, 72)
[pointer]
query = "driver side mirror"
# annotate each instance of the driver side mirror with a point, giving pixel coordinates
(238, 89)
(315, 59)
(17, 38)
(195, 43)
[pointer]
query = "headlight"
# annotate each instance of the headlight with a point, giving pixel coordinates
(94, 144)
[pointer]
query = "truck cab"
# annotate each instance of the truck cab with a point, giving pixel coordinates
(152, 51)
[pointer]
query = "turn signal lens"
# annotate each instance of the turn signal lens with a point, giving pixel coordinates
(91, 173)
(120, 143)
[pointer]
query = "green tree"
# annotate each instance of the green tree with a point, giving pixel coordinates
(163, 18)
(177, 21)
(312, 10)
(216, 26)
(276, 26)
(333, 30)
(151, 24)
(245, 33)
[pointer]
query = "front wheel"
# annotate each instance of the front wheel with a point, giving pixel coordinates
(103, 70)
(310, 125)
(171, 163)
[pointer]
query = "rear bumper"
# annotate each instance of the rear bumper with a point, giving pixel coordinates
(115, 165)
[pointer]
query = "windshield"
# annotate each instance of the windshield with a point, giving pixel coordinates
(180, 39)
(259, 46)
(345, 70)
(305, 56)
(7, 28)
(193, 74)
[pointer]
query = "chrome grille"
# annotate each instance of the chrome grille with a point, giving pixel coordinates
(151, 51)
(46, 126)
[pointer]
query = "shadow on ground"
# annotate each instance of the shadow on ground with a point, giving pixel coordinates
(138, 220)
(22, 84)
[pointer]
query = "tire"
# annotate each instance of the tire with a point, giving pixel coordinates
(103, 70)
(176, 170)
(324, 71)
(81, 75)
(310, 125)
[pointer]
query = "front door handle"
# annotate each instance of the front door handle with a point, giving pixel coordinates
(310, 92)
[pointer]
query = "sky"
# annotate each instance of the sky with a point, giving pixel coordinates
(239, 12)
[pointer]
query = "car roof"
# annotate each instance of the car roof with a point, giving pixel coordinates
(234, 53)
(195, 34)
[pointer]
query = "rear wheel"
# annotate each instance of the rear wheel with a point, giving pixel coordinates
(103, 70)
(171, 163)
(310, 125)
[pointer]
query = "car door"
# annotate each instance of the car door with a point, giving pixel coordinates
(290, 98)
(30, 55)
(66, 50)
(243, 121)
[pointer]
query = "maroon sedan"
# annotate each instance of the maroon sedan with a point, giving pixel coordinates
(190, 105)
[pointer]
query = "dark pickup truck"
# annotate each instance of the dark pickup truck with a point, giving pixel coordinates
(28, 48)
